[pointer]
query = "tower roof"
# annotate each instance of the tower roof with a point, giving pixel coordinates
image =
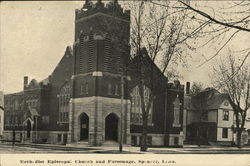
(111, 8)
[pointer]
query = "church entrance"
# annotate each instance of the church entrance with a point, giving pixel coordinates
(111, 127)
(84, 127)
(28, 129)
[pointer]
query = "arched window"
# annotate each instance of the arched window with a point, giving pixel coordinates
(86, 88)
(82, 89)
(136, 111)
(109, 89)
(116, 90)
(63, 99)
(176, 122)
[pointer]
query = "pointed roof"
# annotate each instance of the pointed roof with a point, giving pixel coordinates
(208, 99)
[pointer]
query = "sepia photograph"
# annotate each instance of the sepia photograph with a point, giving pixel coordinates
(124, 78)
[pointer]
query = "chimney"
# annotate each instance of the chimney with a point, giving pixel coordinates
(25, 81)
(188, 88)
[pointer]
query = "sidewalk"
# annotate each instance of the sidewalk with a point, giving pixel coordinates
(91, 149)
(135, 150)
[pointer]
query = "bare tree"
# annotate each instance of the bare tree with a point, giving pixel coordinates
(234, 79)
(196, 88)
(217, 25)
(159, 35)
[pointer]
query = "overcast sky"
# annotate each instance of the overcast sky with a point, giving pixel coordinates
(34, 36)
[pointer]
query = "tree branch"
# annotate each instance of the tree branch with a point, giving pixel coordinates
(213, 19)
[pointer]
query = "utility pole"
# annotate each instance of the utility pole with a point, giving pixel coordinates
(121, 126)
(36, 129)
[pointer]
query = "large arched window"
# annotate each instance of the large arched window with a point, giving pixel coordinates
(176, 122)
(64, 97)
(136, 111)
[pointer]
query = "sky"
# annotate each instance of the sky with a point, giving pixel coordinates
(34, 36)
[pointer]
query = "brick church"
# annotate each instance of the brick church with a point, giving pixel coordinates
(80, 101)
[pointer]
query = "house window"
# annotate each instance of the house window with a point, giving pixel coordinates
(225, 115)
(109, 89)
(225, 133)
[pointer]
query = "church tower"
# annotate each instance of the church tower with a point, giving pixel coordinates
(101, 51)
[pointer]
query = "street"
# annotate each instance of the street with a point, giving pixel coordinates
(40, 148)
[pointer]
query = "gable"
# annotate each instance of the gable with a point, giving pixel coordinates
(226, 105)
(63, 70)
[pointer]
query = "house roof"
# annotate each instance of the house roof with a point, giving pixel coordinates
(208, 99)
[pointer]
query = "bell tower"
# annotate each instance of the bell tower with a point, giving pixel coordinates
(101, 37)
(101, 52)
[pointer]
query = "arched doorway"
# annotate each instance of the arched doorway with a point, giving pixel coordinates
(28, 129)
(84, 127)
(111, 127)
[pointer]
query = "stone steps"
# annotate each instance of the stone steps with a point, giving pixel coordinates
(110, 144)
(79, 144)
(105, 144)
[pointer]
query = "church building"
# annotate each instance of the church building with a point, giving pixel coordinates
(92, 96)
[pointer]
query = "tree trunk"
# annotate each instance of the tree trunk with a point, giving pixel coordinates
(144, 133)
(239, 142)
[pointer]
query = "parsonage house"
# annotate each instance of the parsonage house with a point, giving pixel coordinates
(209, 119)
(92, 96)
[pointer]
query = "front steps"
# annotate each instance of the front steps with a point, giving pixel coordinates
(79, 144)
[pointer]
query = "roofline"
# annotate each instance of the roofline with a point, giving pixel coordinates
(1, 107)
(15, 93)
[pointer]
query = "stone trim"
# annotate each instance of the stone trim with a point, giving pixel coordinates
(149, 134)
(78, 75)
(97, 74)
(93, 98)
(100, 74)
